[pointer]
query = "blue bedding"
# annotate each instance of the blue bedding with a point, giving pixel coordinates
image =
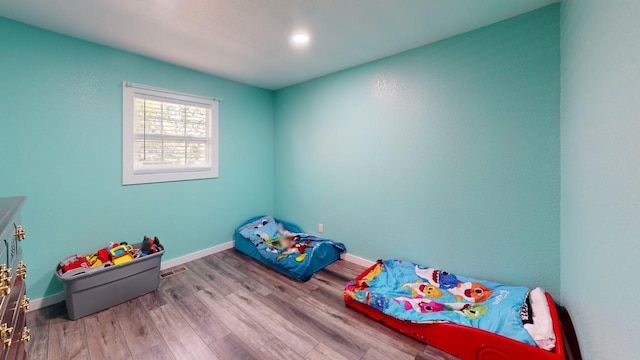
(425, 295)
(285, 247)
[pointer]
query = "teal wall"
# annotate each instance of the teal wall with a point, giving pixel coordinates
(61, 128)
(600, 218)
(446, 155)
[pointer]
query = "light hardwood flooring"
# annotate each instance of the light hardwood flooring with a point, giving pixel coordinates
(227, 306)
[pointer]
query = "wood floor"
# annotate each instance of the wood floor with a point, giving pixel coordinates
(227, 306)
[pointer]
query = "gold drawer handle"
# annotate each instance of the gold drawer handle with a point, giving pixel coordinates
(22, 270)
(5, 290)
(5, 335)
(20, 233)
(5, 272)
(5, 280)
(24, 304)
(26, 334)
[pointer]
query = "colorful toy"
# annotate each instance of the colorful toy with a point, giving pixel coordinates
(120, 250)
(98, 258)
(73, 262)
(114, 254)
(93, 260)
(103, 254)
(150, 246)
(121, 259)
(121, 254)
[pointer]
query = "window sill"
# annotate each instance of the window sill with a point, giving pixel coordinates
(146, 178)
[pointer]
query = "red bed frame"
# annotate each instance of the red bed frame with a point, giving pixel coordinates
(466, 342)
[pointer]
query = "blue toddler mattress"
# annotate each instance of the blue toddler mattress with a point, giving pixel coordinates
(284, 247)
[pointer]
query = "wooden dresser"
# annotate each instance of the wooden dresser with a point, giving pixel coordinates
(13, 330)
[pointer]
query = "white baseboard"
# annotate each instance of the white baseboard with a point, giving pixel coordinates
(358, 260)
(196, 255)
(43, 302)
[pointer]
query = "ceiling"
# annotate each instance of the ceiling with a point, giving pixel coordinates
(249, 40)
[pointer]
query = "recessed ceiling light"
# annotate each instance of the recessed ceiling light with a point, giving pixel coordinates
(300, 38)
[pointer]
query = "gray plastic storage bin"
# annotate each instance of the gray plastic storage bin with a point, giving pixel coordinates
(90, 291)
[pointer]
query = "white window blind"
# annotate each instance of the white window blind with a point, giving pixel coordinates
(170, 135)
(167, 136)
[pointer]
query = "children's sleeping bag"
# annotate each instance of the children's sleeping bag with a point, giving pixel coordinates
(415, 299)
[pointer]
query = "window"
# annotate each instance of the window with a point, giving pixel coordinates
(167, 135)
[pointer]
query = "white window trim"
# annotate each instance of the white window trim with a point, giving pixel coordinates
(131, 176)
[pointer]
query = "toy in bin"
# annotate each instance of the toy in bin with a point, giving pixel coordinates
(121, 253)
(114, 254)
(122, 275)
(150, 246)
(74, 262)
(98, 258)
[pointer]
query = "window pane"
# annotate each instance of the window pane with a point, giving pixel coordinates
(138, 115)
(158, 117)
(166, 131)
(174, 152)
(148, 152)
(196, 121)
(153, 116)
(173, 118)
(197, 154)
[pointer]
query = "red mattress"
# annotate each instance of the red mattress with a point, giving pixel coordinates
(477, 344)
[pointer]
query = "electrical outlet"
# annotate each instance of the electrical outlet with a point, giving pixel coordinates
(321, 228)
